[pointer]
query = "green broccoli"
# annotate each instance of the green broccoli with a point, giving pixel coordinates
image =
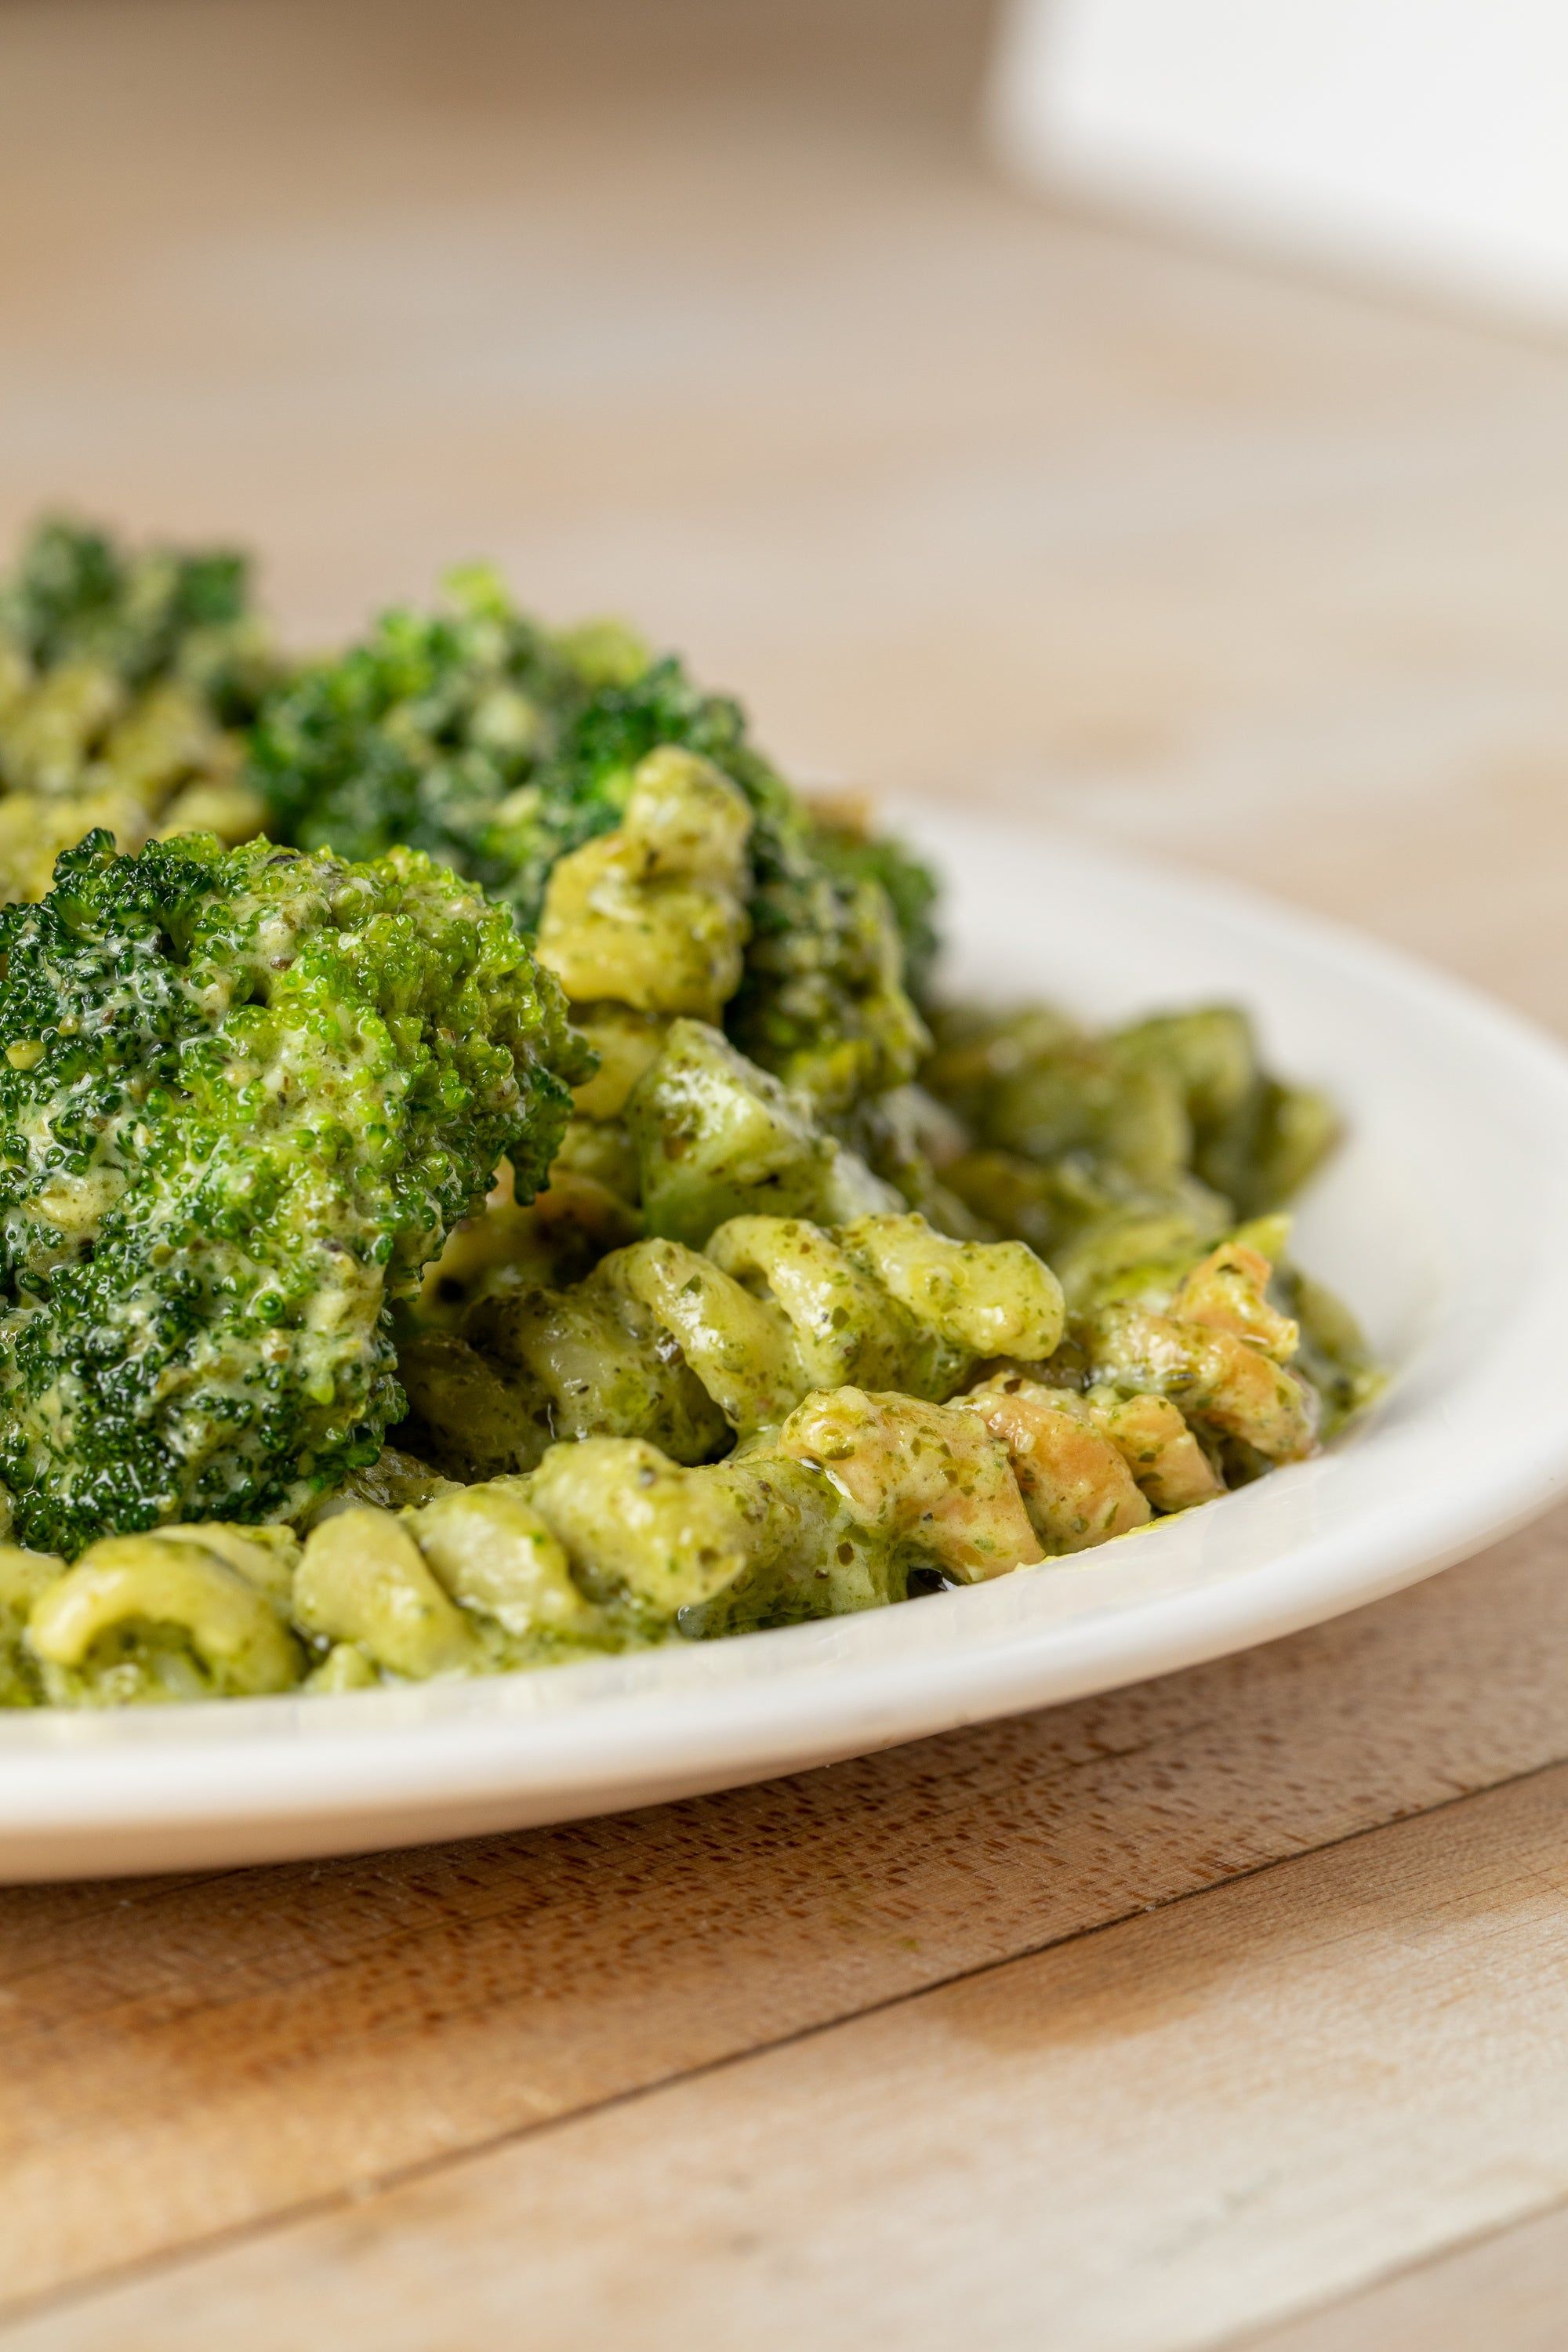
(123, 678)
(499, 747)
(851, 850)
(433, 733)
(243, 1095)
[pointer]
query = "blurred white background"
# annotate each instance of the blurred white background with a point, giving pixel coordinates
(1420, 138)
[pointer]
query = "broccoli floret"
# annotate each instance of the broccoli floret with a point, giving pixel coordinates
(243, 1095)
(499, 748)
(123, 678)
(431, 733)
(857, 854)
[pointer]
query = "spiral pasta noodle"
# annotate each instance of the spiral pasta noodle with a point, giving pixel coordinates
(834, 1363)
(685, 1346)
(643, 925)
(653, 915)
(833, 1507)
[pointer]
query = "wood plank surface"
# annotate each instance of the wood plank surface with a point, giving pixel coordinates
(1140, 2139)
(1504, 2286)
(1219, 2006)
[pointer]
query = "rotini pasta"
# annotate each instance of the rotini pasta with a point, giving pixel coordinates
(1219, 1350)
(686, 1347)
(795, 1292)
(1180, 1094)
(715, 1136)
(119, 712)
(653, 915)
(840, 1492)
(184, 1611)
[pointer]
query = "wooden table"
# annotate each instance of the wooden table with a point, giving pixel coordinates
(1228, 2009)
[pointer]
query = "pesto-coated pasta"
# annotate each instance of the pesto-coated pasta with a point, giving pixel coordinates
(687, 1346)
(795, 1290)
(653, 915)
(193, 1611)
(715, 1137)
(839, 1493)
(121, 677)
(1077, 1487)
(1219, 1350)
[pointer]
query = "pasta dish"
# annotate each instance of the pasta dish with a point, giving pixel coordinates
(488, 1174)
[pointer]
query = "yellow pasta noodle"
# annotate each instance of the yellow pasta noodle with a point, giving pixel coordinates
(364, 1580)
(1077, 1486)
(182, 1613)
(715, 1137)
(653, 915)
(25, 1577)
(683, 1346)
(494, 1554)
(1219, 1351)
(931, 1481)
(839, 1492)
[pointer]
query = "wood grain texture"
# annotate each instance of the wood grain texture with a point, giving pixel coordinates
(1134, 2142)
(1505, 2287)
(709, 313)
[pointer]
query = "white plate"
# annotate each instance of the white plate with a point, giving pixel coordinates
(1442, 1221)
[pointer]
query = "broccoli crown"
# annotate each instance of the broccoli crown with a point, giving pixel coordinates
(443, 733)
(243, 1095)
(499, 747)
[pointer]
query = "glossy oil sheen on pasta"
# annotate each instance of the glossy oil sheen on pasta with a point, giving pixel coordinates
(486, 1175)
